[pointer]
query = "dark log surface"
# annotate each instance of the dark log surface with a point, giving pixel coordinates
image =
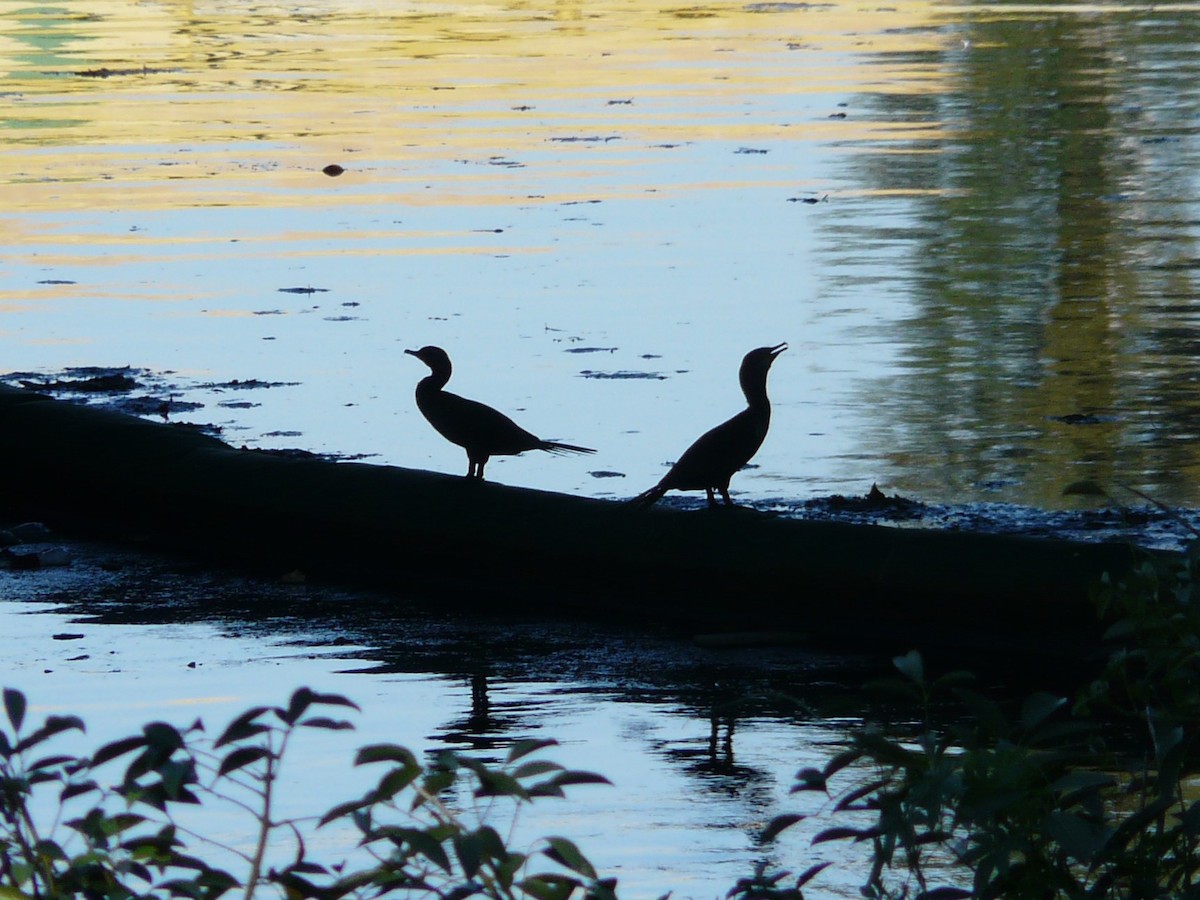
(485, 543)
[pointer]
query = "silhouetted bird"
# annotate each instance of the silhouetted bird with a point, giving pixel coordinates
(711, 461)
(482, 431)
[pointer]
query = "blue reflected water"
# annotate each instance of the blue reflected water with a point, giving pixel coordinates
(701, 742)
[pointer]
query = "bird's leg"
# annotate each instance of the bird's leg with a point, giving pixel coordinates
(482, 463)
(725, 496)
(712, 499)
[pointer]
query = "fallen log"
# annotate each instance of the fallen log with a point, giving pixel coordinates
(499, 547)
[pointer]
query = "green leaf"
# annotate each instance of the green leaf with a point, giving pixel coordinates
(424, 843)
(243, 727)
(335, 700)
(536, 767)
(523, 748)
(838, 762)
(565, 853)
(242, 757)
(911, 666)
(76, 790)
(812, 872)
(549, 886)
(305, 697)
(54, 725)
(990, 716)
(809, 779)
(163, 737)
(574, 777)
(394, 781)
(858, 793)
(327, 723)
(301, 700)
(342, 810)
(14, 705)
(114, 749)
(469, 853)
(499, 784)
(842, 832)
(1038, 708)
(373, 753)
(50, 762)
(780, 824)
(1079, 838)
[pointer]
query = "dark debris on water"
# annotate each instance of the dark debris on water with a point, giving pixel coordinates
(1146, 526)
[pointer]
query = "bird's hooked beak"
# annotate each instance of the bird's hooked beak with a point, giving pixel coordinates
(778, 348)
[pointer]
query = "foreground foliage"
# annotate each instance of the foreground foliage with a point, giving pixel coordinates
(126, 840)
(1093, 798)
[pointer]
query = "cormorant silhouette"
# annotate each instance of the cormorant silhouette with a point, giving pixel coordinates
(711, 461)
(482, 431)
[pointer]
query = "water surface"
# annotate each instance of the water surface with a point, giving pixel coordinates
(701, 743)
(976, 226)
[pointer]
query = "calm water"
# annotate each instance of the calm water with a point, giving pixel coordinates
(598, 208)
(976, 225)
(701, 744)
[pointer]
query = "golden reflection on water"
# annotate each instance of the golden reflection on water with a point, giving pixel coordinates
(281, 95)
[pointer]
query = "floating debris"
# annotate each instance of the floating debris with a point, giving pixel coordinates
(106, 383)
(154, 406)
(623, 374)
(875, 503)
(591, 350)
(602, 473)
(333, 170)
(303, 290)
(586, 139)
(105, 72)
(250, 384)
(1082, 419)
(57, 281)
(784, 7)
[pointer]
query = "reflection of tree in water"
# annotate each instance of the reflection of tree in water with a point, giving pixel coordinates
(1052, 267)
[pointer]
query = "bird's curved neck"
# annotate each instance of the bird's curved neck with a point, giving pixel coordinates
(435, 380)
(754, 386)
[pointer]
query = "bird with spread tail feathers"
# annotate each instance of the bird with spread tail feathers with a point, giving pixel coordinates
(710, 462)
(480, 430)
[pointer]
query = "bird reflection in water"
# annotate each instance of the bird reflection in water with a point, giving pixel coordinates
(480, 430)
(710, 462)
(479, 729)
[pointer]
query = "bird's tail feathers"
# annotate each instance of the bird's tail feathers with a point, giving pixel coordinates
(647, 498)
(556, 447)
